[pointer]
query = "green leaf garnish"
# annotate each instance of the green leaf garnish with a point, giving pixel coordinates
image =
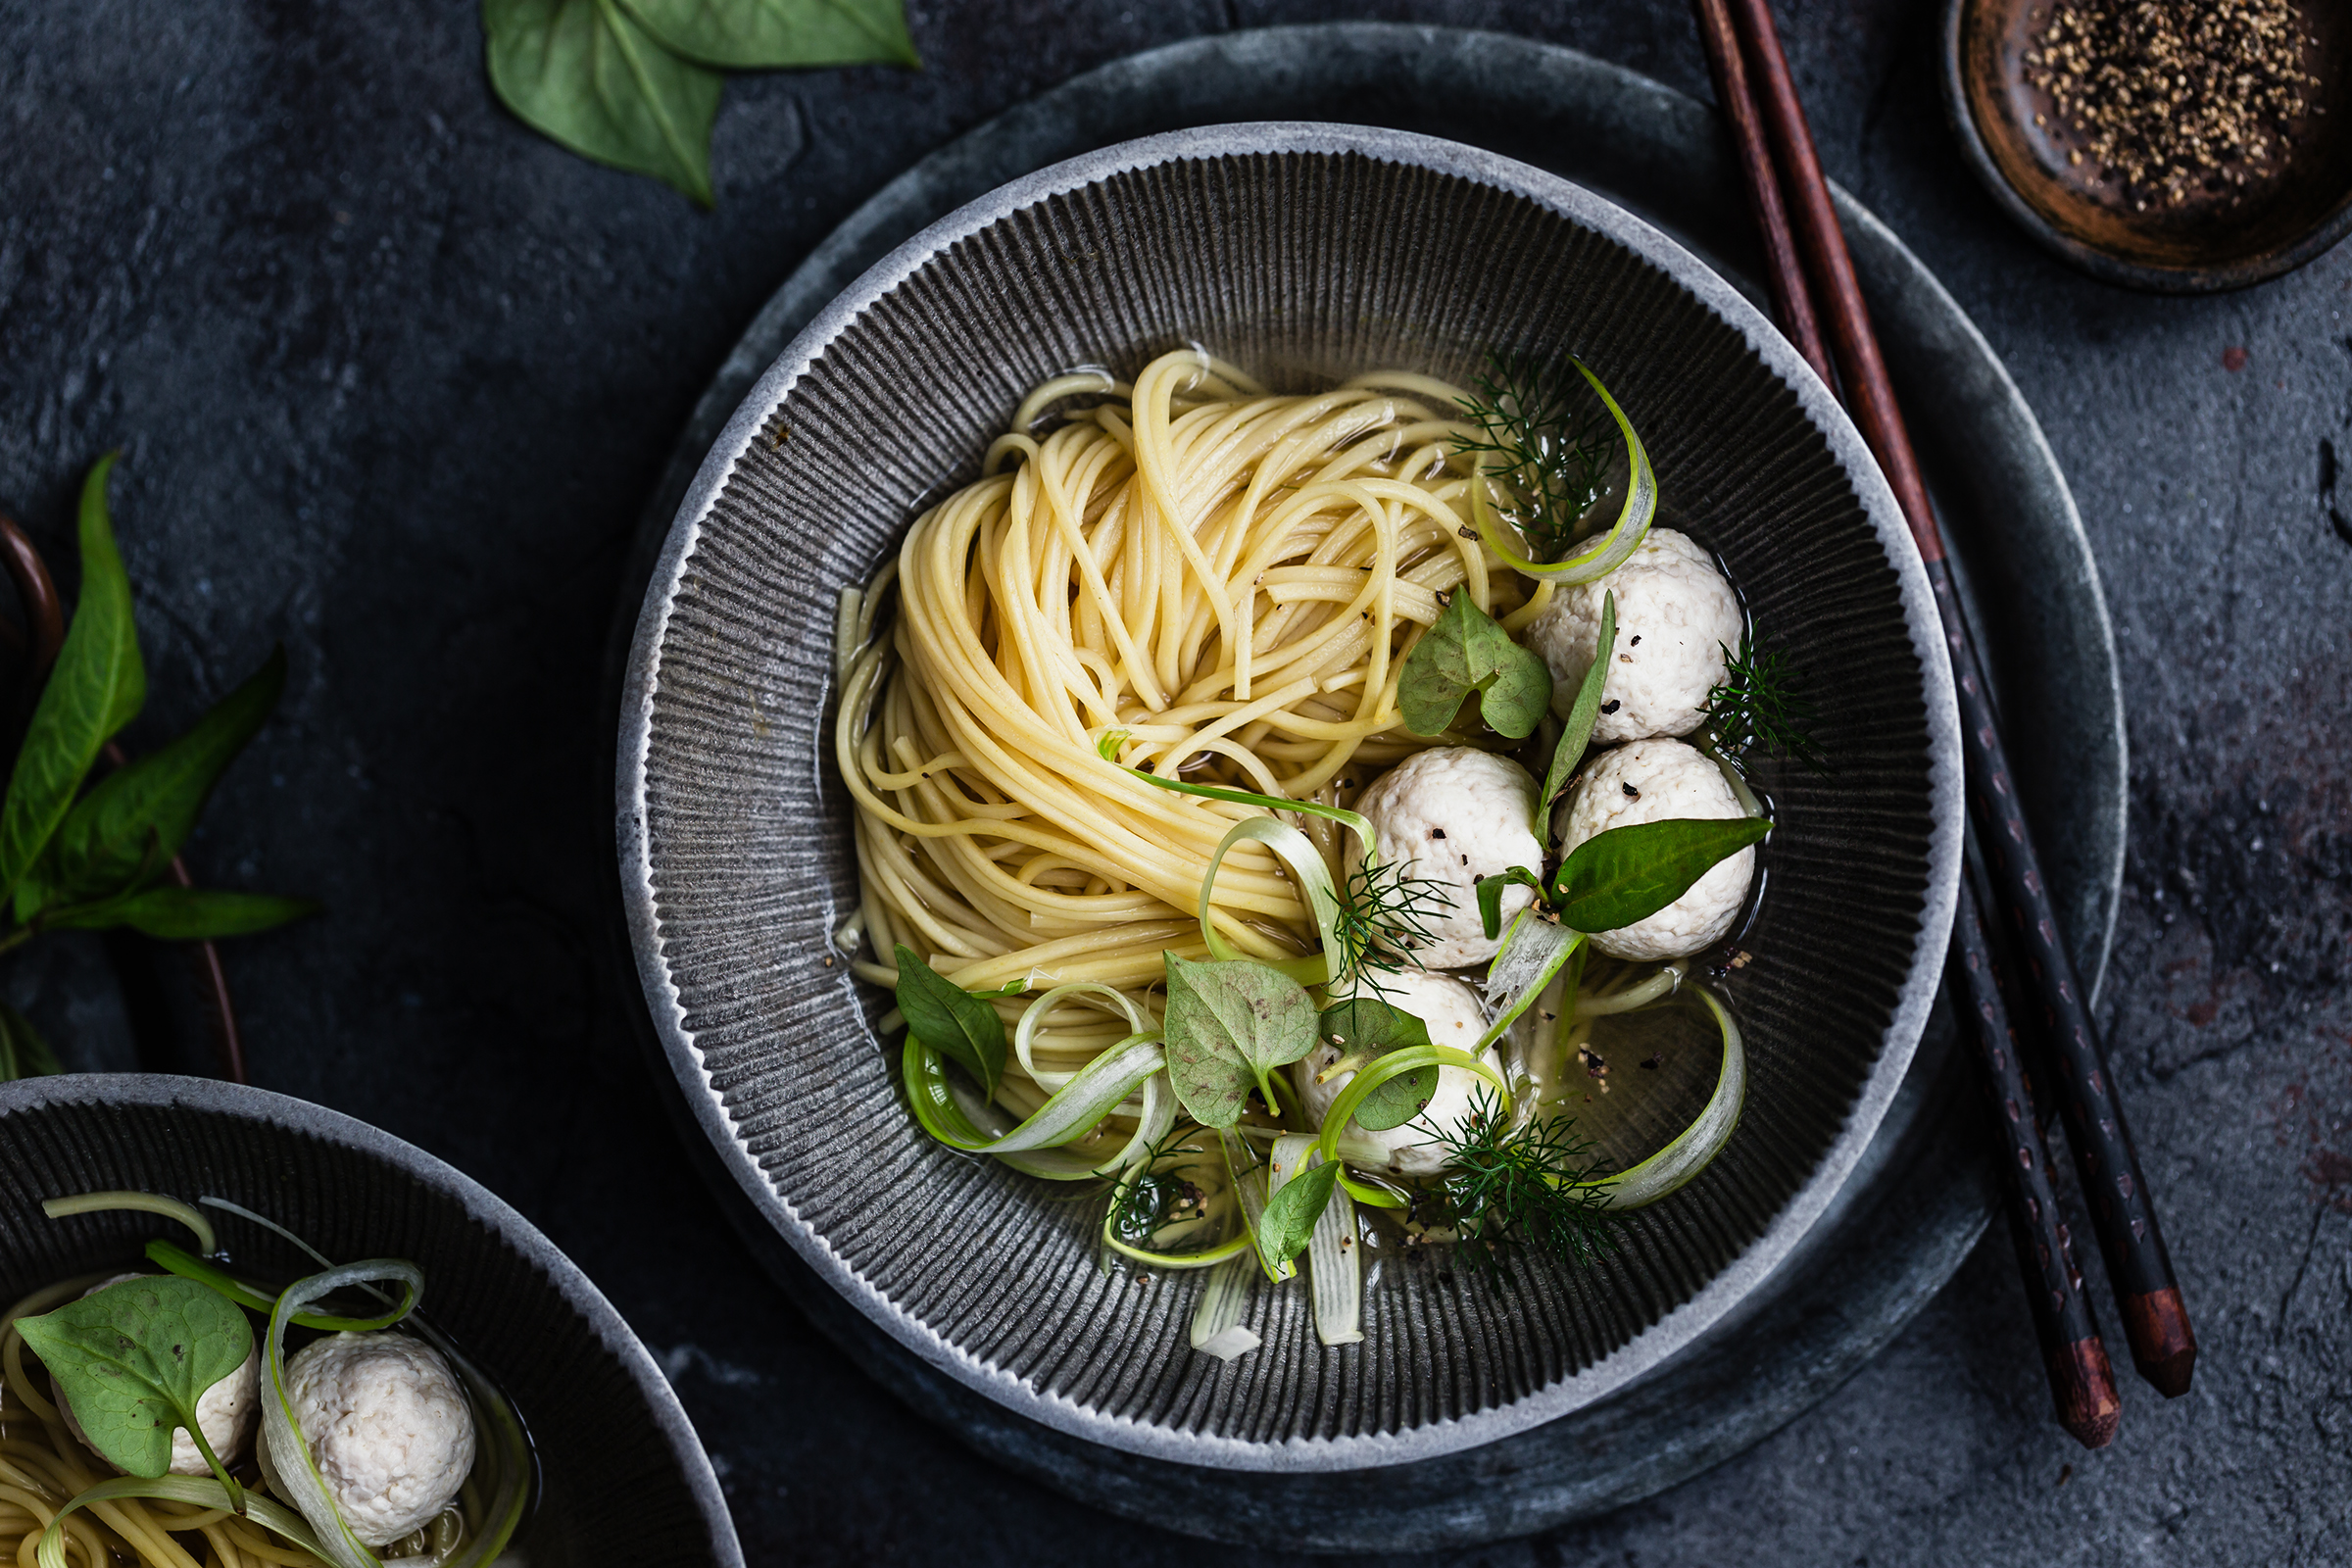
(1490, 895)
(585, 74)
(1367, 1027)
(1466, 650)
(133, 1359)
(136, 819)
(23, 1053)
(764, 34)
(1629, 873)
(1758, 704)
(1288, 1221)
(183, 915)
(1580, 718)
(98, 686)
(951, 1020)
(1228, 1026)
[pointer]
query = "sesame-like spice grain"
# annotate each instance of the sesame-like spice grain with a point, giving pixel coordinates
(2173, 98)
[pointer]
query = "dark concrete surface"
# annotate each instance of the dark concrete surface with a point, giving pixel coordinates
(393, 375)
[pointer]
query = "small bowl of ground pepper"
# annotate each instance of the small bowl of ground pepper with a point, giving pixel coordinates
(2184, 146)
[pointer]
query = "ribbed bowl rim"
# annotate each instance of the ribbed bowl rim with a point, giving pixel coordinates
(1674, 1328)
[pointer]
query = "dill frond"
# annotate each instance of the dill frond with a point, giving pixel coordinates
(1383, 915)
(1510, 1190)
(1759, 704)
(1152, 1198)
(1554, 440)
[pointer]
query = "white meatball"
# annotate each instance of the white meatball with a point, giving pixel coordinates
(1652, 781)
(1675, 618)
(1451, 1012)
(387, 1426)
(1451, 817)
(227, 1411)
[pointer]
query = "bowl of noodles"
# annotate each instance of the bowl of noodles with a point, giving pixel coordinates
(1288, 796)
(238, 1331)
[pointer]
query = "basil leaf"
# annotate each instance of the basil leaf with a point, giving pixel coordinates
(1631, 873)
(97, 687)
(951, 1020)
(1490, 895)
(1229, 1024)
(183, 915)
(762, 34)
(1467, 652)
(1289, 1222)
(134, 1358)
(1582, 717)
(586, 74)
(137, 817)
(23, 1053)
(1368, 1027)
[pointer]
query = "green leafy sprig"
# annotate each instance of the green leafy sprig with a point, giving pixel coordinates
(1528, 1187)
(1554, 442)
(1466, 650)
(96, 860)
(1229, 1025)
(1626, 874)
(636, 84)
(1758, 704)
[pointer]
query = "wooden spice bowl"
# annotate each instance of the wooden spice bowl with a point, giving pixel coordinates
(2215, 240)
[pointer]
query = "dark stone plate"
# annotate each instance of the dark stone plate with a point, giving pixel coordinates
(1921, 1197)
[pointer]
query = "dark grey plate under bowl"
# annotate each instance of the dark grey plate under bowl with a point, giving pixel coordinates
(623, 1476)
(1920, 1194)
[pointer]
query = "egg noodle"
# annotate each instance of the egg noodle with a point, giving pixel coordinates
(1190, 575)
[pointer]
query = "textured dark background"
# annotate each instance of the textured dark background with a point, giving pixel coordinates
(393, 377)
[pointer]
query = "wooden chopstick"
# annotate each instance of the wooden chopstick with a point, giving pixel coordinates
(1792, 300)
(2164, 1346)
(2074, 1357)
(2082, 1383)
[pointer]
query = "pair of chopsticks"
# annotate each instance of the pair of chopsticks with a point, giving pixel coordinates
(1812, 280)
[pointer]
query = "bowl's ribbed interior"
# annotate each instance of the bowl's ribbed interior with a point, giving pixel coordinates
(613, 1488)
(1300, 266)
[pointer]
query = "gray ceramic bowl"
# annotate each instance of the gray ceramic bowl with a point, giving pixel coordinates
(1302, 252)
(623, 1476)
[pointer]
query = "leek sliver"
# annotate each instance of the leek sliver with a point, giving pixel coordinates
(1033, 1018)
(1217, 1318)
(145, 1202)
(1313, 879)
(1395, 1065)
(1334, 1274)
(295, 1472)
(1093, 1093)
(200, 1490)
(1613, 548)
(1248, 1185)
(1695, 1147)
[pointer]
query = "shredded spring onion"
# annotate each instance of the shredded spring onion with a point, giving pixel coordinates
(1093, 1093)
(1606, 553)
(1695, 1147)
(202, 1490)
(1217, 1318)
(142, 1203)
(293, 1472)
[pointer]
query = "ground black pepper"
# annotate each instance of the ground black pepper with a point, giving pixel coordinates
(2176, 98)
